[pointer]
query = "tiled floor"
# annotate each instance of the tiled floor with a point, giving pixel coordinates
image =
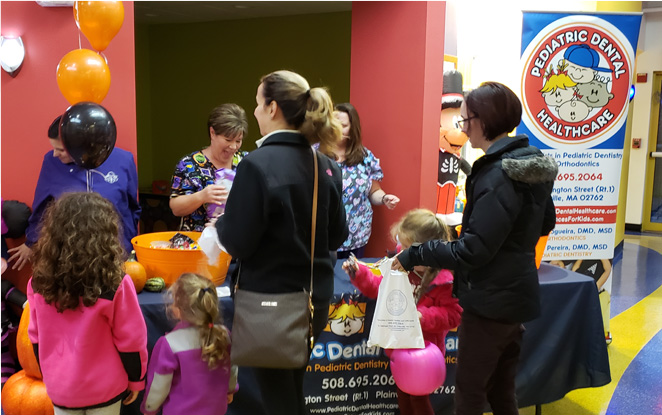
(635, 355)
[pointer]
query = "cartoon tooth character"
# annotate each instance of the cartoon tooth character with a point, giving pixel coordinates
(594, 94)
(573, 111)
(583, 63)
(346, 318)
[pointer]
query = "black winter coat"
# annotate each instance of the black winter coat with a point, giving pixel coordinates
(267, 219)
(509, 206)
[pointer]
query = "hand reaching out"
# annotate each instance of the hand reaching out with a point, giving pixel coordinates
(214, 193)
(396, 265)
(21, 255)
(390, 201)
(350, 266)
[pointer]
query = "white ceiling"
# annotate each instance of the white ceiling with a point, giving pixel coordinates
(156, 12)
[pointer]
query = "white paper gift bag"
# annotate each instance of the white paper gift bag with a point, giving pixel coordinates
(210, 245)
(395, 324)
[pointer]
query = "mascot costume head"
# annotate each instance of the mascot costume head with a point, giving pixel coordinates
(451, 140)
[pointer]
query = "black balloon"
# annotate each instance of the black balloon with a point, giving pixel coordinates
(88, 133)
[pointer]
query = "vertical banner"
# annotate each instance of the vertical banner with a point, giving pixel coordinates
(575, 88)
(576, 78)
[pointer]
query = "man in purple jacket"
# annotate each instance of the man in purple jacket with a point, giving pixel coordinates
(116, 180)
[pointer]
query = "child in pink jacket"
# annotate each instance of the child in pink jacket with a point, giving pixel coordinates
(438, 310)
(89, 335)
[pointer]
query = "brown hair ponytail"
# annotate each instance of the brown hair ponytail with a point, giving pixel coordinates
(308, 110)
(196, 299)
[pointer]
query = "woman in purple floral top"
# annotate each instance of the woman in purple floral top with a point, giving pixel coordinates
(361, 175)
(193, 186)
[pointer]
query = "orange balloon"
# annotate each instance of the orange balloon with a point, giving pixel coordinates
(83, 75)
(99, 21)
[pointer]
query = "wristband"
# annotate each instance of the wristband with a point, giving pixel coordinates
(383, 203)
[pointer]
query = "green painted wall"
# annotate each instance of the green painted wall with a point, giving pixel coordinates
(185, 70)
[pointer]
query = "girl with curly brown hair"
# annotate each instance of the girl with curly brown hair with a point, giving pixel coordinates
(86, 326)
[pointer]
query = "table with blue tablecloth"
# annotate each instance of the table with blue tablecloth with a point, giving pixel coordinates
(562, 350)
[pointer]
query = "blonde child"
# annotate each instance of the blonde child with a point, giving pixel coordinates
(85, 321)
(559, 88)
(438, 311)
(189, 371)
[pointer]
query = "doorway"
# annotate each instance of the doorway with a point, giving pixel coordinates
(652, 215)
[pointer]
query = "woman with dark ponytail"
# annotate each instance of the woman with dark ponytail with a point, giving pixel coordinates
(189, 371)
(267, 220)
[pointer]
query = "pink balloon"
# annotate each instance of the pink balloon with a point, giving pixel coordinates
(418, 371)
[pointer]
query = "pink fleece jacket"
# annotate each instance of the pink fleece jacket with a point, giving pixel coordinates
(440, 311)
(91, 355)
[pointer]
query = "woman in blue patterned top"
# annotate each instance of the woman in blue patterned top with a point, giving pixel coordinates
(193, 186)
(361, 175)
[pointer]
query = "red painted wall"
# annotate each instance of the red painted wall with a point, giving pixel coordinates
(396, 77)
(31, 100)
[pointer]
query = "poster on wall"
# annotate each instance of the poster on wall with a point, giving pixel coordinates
(576, 76)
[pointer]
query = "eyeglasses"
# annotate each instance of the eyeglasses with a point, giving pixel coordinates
(460, 122)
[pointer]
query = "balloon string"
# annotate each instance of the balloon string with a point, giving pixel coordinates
(80, 46)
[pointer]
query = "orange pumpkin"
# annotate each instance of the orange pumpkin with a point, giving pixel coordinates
(24, 347)
(25, 395)
(136, 271)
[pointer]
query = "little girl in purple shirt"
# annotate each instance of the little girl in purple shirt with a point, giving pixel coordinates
(189, 371)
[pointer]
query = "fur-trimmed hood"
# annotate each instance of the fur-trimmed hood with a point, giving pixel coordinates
(509, 206)
(522, 162)
(537, 169)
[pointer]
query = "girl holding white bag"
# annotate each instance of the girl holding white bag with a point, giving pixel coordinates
(438, 311)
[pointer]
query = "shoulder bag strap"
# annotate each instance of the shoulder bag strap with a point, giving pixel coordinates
(313, 227)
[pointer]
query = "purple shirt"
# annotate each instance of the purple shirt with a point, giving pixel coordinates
(180, 382)
(116, 180)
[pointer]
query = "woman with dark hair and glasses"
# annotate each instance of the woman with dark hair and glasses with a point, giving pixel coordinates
(361, 175)
(509, 206)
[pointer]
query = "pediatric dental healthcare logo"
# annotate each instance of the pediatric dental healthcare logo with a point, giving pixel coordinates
(575, 81)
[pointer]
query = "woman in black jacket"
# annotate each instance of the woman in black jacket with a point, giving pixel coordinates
(267, 220)
(509, 206)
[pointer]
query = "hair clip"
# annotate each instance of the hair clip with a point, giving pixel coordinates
(202, 292)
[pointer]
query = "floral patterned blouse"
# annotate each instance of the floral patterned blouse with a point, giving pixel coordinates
(356, 183)
(192, 174)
